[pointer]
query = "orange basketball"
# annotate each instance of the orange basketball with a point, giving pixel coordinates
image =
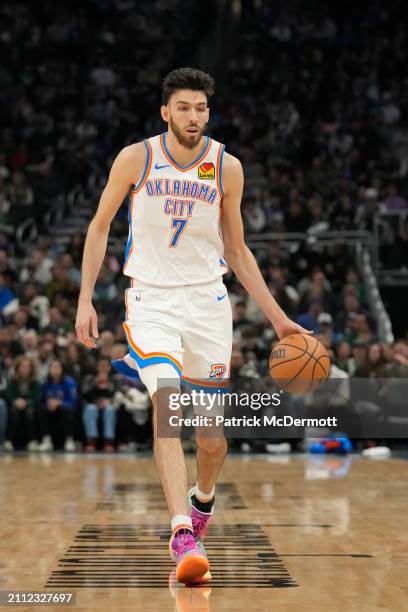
(299, 364)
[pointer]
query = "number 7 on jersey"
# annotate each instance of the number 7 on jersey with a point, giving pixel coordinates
(179, 225)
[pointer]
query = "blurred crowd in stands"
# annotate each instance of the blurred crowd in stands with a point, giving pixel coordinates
(56, 393)
(315, 106)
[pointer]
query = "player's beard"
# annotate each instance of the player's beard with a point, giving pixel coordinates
(190, 142)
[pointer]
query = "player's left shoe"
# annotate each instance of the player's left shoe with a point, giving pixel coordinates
(192, 563)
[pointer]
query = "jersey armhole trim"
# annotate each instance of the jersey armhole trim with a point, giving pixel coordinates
(147, 167)
(220, 158)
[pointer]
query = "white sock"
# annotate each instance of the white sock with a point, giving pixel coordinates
(204, 497)
(181, 520)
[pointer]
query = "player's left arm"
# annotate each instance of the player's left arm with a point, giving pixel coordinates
(238, 255)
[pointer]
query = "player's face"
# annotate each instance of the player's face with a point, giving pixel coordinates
(187, 115)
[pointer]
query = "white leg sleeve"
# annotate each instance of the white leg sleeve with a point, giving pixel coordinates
(158, 376)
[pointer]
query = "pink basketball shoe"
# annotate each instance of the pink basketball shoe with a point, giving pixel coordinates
(192, 563)
(199, 519)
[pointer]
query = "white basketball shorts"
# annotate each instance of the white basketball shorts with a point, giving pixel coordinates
(189, 327)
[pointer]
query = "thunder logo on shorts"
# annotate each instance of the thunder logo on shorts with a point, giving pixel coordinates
(217, 370)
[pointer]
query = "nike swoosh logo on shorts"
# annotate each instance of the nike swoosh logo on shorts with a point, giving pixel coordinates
(221, 297)
(158, 167)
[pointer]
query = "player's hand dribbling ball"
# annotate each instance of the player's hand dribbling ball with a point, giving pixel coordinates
(299, 364)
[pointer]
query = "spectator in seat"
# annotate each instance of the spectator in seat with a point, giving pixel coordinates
(367, 208)
(318, 217)
(286, 295)
(37, 305)
(374, 365)
(10, 348)
(351, 307)
(387, 351)
(398, 367)
(325, 327)
(59, 401)
(240, 317)
(252, 344)
(105, 288)
(58, 324)
(295, 218)
(59, 283)
(314, 285)
(342, 217)
(134, 425)
(7, 295)
(44, 359)
(20, 320)
(30, 344)
(98, 391)
(254, 217)
(395, 201)
(78, 362)
(350, 289)
(275, 255)
(309, 319)
(343, 356)
(359, 356)
(67, 264)
(76, 248)
(38, 268)
(23, 394)
(362, 326)
(4, 210)
(19, 193)
(106, 344)
(352, 278)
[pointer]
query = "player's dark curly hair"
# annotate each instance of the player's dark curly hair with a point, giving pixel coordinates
(187, 78)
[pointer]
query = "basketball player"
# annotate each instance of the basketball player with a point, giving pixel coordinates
(185, 229)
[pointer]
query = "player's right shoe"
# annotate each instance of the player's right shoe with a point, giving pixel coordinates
(199, 519)
(200, 522)
(191, 562)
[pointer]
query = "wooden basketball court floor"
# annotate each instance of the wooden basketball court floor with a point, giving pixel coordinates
(291, 533)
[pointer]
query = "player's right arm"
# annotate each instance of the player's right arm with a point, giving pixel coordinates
(126, 170)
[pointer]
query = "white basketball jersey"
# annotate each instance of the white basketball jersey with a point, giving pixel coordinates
(174, 218)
